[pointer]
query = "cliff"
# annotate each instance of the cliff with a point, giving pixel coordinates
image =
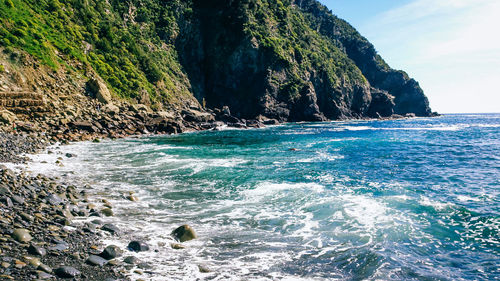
(289, 60)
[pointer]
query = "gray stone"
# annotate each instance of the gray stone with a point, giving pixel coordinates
(96, 260)
(111, 228)
(59, 247)
(44, 275)
(131, 260)
(19, 200)
(45, 268)
(111, 252)
(66, 272)
(36, 250)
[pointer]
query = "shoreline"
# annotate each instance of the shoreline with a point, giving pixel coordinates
(17, 261)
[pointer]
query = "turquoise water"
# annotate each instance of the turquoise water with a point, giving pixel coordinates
(414, 199)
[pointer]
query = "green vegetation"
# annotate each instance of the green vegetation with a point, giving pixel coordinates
(132, 44)
(2, 68)
(283, 29)
(129, 54)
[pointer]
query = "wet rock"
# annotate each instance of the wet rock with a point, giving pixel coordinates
(138, 246)
(66, 272)
(111, 228)
(111, 252)
(36, 250)
(204, 269)
(144, 265)
(90, 228)
(107, 212)
(131, 260)
(132, 198)
(176, 246)
(184, 233)
(70, 155)
(96, 260)
(21, 235)
(19, 264)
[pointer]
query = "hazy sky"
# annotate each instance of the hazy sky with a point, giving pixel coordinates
(452, 47)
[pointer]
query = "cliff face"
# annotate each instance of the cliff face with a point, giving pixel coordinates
(290, 60)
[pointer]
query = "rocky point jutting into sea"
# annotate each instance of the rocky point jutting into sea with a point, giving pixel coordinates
(85, 71)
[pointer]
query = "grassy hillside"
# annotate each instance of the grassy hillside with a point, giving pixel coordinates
(115, 40)
(274, 57)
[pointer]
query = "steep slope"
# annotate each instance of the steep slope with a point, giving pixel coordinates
(286, 60)
(409, 97)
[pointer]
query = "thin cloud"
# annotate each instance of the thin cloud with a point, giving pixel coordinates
(421, 9)
(450, 46)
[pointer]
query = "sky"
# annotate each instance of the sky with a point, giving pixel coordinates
(451, 47)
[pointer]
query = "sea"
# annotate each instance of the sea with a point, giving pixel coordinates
(408, 199)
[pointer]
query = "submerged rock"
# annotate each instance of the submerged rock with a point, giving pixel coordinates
(131, 260)
(184, 233)
(138, 246)
(107, 212)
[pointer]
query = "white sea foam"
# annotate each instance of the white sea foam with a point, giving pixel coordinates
(465, 198)
(438, 206)
(365, 210)
(321, 156)
(270, 188)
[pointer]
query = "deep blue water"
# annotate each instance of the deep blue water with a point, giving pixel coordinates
(413, 199)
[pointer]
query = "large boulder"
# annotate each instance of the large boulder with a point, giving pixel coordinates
(193, 115)
(7, 117)
(99, 90)
(184, 233)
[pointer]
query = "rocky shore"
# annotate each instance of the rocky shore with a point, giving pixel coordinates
(38, 239)
(51, 229)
